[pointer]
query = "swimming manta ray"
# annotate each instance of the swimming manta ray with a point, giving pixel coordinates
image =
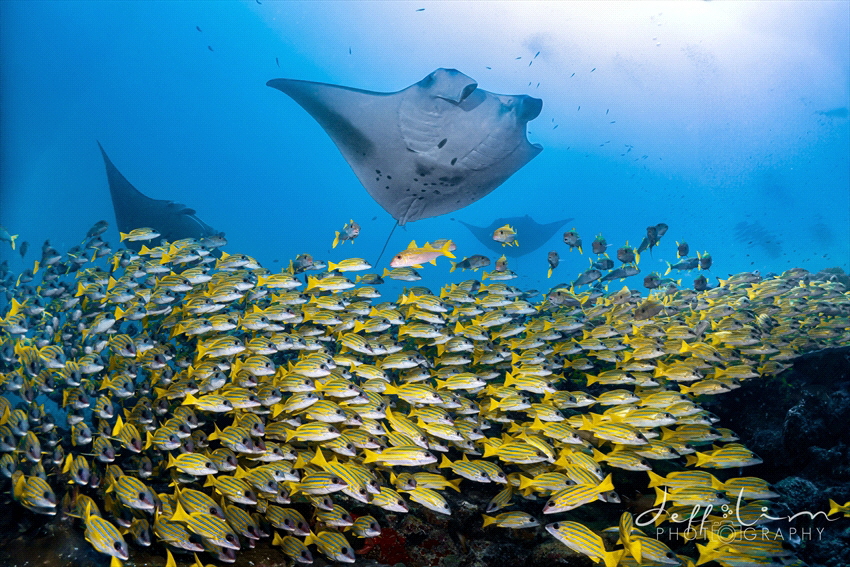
(432, 148)
(531, 235)
(133, 209)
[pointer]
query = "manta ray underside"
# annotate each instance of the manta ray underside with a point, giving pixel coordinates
(133, 209)
(531, 235)
(432, 148)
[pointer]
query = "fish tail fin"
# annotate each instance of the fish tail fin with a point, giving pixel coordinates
(655, 479)
(612, 558)
(336, 240)
(446, 249)
(549, 273)
(454, 266)
(487, 520)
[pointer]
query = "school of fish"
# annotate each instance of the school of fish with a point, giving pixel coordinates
(187, 396)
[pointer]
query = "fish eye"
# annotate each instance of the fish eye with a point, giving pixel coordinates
(343, 549)
(117, 546)
(401, 502)
(47, 494)
(287, 522)
(304, 554)
(228, 537)
(213, 510)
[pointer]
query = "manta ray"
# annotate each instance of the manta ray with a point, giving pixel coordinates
(133, 209)
(427, 150)
(531, 235)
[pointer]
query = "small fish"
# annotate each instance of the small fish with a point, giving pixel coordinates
(350, 265)
(516, 520)
(105, 537)
(682, 249)
(5, 236)
(97, 229)
(349, 231)
(472, 263)
(210, 527)
(366, 526)
(501, 264)
(581, 539)
(626, 254)
(686, 264)
(599, 245)
(587, 277)
(573, 240)
(554, 260)
(506, 235)
(133, 493)
(294, 547)
(652, 238)
(139, 235)
(333, 545)
(23, 248)
(705, 260)
(194, 464)
(415, 256)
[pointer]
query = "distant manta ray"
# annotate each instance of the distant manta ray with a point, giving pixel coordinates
(531, 235)
(133, 209)
(427, 150)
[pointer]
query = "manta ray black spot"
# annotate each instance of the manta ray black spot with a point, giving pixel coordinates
(400, 133)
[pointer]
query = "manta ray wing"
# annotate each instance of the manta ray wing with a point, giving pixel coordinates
(430, 149)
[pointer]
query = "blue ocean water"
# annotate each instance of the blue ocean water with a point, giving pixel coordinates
(726, 120)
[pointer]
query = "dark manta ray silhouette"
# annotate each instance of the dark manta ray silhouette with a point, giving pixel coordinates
(531, 235)
(135, 210)
(427, 150)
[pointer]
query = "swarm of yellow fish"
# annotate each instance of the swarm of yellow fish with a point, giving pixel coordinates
(202, 400)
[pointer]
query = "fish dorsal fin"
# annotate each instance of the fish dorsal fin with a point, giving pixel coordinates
(412, 245)
(119, 425)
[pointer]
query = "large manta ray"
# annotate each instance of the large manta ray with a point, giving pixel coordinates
(531, 235)
(432, 148)
(133, 209)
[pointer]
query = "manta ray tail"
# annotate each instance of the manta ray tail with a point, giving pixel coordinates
(381, 255)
